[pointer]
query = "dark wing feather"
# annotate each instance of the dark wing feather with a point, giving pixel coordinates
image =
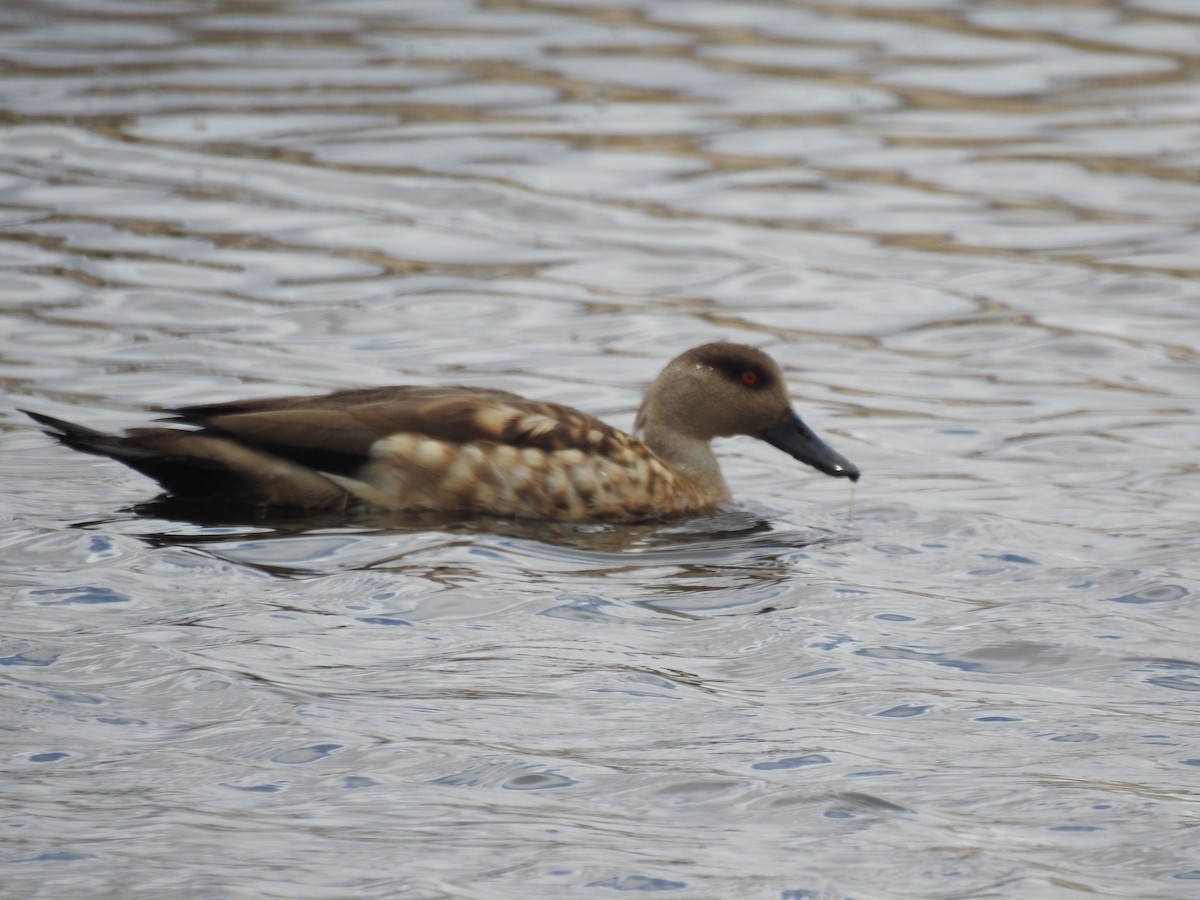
(199, 414)
(334, 433)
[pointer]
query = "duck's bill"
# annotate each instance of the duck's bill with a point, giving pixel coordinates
(795, 438)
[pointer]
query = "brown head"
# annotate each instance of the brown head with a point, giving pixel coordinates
(721, 390)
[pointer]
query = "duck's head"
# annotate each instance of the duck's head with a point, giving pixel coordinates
(723, 389)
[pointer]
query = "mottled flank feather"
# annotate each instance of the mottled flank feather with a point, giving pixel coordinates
(463, 448)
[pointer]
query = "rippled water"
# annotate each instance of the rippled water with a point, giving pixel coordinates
(968, 231)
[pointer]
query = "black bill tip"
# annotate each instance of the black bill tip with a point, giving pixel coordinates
(796, 439)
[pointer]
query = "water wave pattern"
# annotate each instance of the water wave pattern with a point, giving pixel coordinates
(967, 230)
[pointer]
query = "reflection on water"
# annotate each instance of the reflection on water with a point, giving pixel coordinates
(968, 231)
(190, 522)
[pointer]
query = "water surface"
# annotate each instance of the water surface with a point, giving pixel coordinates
(968, 232)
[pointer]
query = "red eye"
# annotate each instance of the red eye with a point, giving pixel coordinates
(749, 377)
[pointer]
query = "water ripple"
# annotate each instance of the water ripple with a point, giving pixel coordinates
(965, 230)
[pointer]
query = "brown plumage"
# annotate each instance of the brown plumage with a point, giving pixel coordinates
(473, 449)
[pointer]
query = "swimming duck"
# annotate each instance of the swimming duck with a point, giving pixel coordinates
(474, 449)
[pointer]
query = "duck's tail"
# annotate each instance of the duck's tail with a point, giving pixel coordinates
(194, 464)
(178, 474)
(86, 440)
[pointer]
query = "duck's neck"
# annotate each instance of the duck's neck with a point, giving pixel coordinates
(690, 457)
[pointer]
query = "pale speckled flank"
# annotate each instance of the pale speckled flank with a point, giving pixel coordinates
(410, 471)
(474, 449)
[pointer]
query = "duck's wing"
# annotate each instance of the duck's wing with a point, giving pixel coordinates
(337, 432)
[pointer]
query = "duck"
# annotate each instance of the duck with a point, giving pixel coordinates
(486, 451)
